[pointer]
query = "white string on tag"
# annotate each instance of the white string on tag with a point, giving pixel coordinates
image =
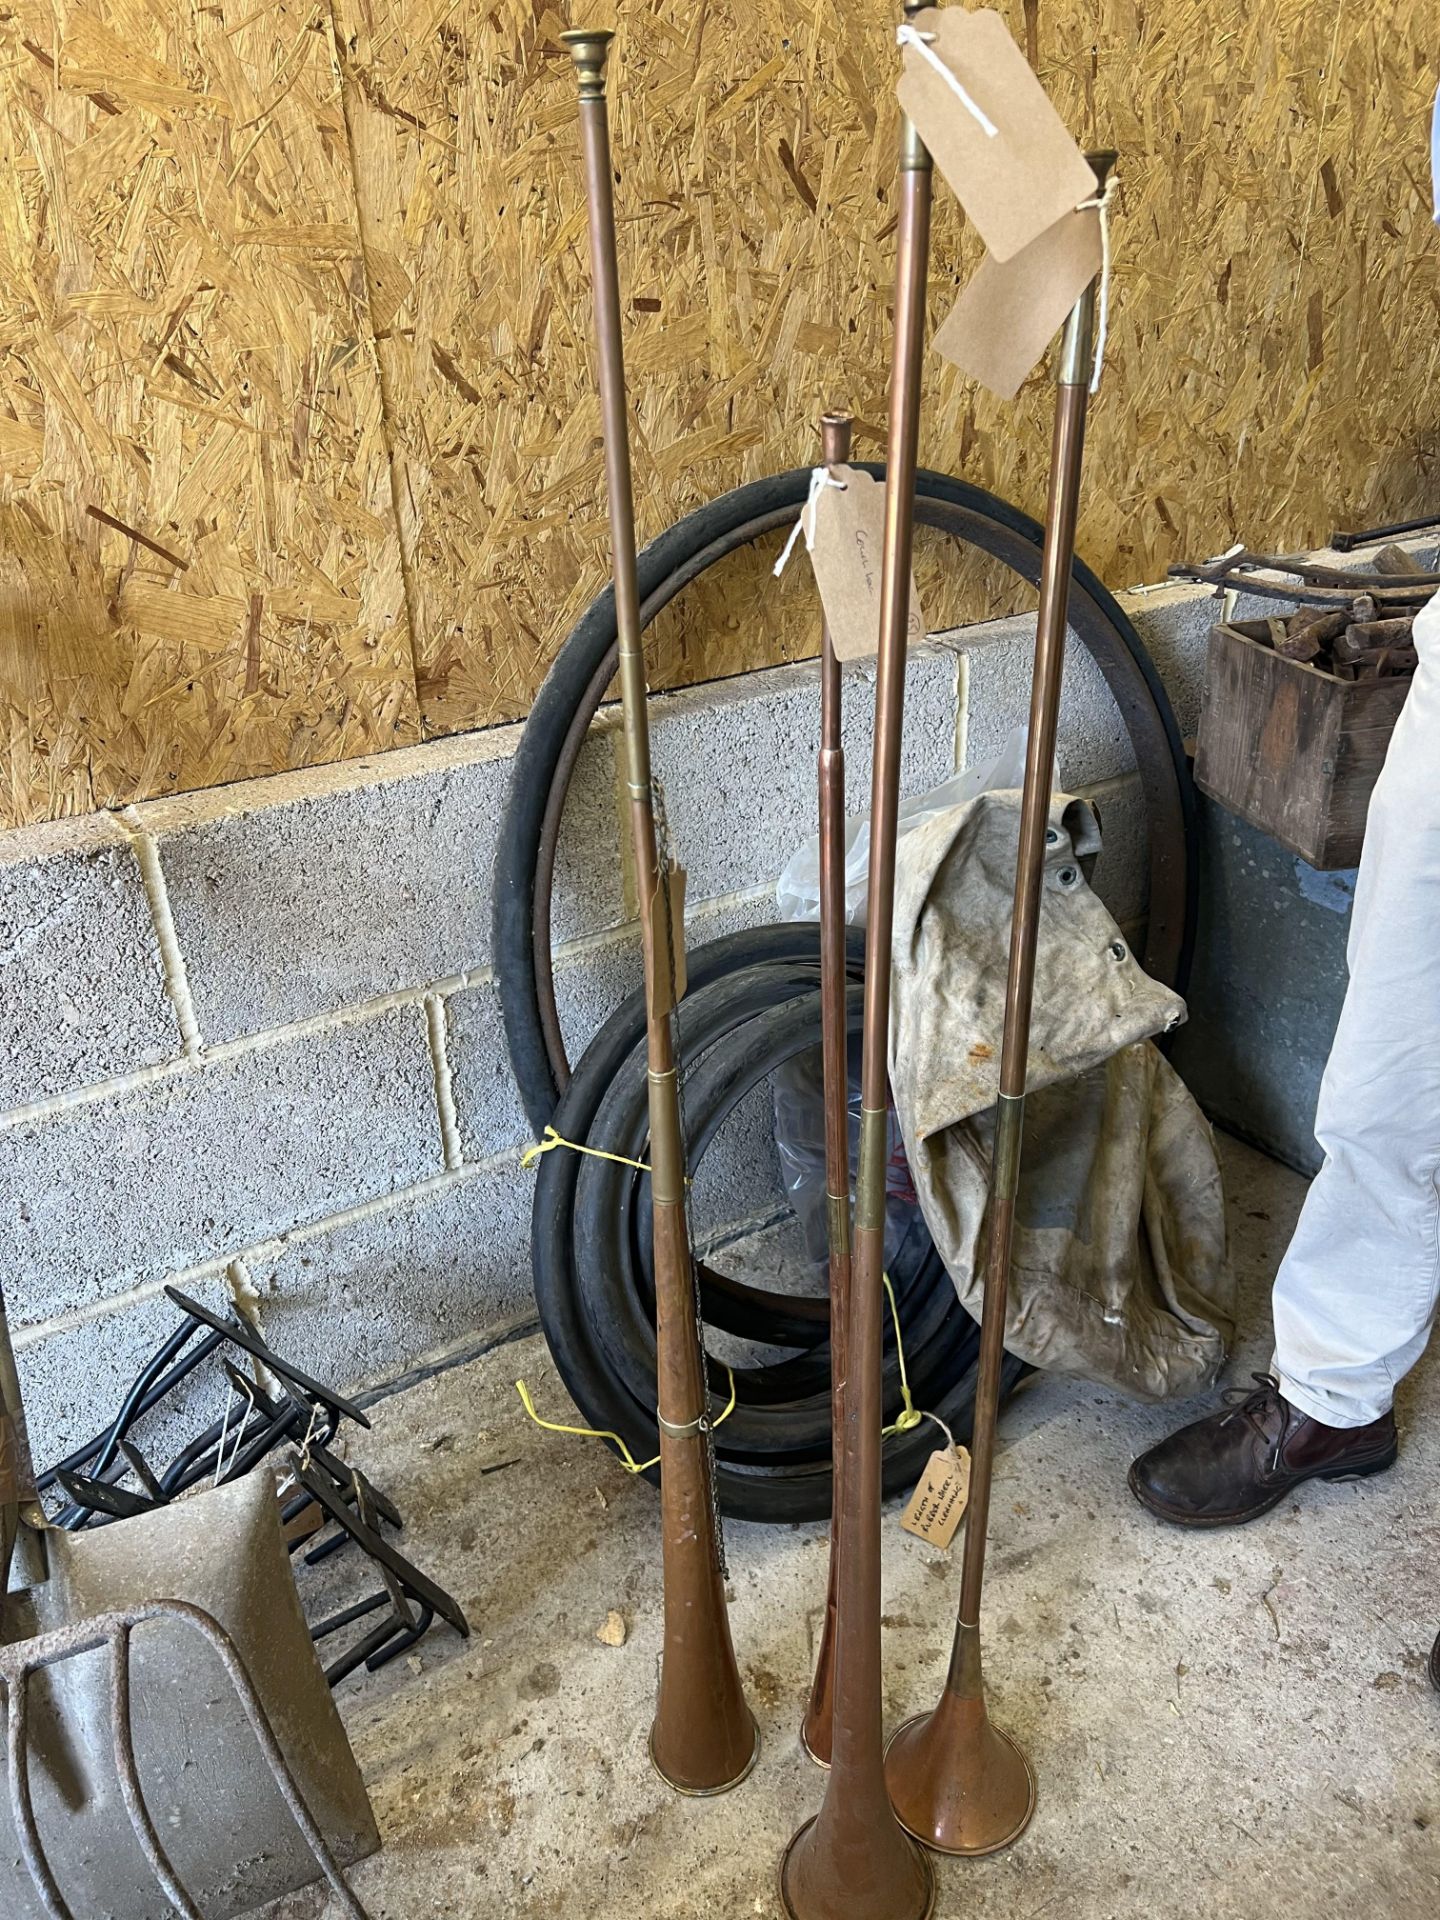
(908, 36)
(819, 477)
(1101, 203)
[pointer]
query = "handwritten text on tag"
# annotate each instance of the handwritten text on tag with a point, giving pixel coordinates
(938, 1504)
(845, 550)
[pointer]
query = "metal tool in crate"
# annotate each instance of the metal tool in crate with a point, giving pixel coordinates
(330, 1503)
(1299, 708)
(1393, 580)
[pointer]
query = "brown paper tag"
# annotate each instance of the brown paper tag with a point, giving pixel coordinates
(1007, 316)
(938, 1504)
(846, 545)
(1031, 173)
(668, 979)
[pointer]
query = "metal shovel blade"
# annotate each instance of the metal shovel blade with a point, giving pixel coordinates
(208, 1791)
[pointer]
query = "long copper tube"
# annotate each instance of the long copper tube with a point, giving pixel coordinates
(704, 1738)
(957, 1783)
(815, 1731)
(852, 1861)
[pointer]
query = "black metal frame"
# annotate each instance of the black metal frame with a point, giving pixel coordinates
(305, 1417)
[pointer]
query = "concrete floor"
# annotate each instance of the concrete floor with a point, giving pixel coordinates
(1221, 1724)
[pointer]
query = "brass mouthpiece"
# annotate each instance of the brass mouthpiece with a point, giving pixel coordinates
(588, 48)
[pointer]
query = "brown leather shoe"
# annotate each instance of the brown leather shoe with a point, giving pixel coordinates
(1234, 1466)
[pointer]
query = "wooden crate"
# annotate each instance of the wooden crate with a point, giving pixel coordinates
(1290, 748)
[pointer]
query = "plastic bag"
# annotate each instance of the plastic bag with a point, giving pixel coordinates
(797, 891)
(799, 1096)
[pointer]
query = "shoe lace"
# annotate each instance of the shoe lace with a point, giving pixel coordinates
(1253, 1403)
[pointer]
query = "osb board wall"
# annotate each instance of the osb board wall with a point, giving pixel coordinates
(185, 355)
(301, 296)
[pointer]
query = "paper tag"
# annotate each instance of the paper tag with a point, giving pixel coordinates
(846, 546)
(1007, 316)
(1031, 173)
(938, 1504)
(667, 920)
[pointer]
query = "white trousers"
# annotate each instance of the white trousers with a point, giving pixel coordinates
(1356, 1293)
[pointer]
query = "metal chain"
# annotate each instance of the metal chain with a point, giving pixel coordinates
(665, 865)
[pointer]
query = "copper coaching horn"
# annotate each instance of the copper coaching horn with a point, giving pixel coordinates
(853, 1861)
(704, 1737)
(957, 1782)
(816, 1729)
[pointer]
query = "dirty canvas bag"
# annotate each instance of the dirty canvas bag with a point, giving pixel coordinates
(1120, 1271)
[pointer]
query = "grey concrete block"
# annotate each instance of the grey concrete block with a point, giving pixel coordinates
(1254, 606)
(1267, 987)
(308, 892)
(1122, 872)
(73, 1381)
(1175, 625)
(738, 1177)
(100, 1197)
(592, 852)
(738, 762)
(590, 984)
(487, 1104)
(592, 981)
(82, 990)
(364, 1301)
(1093, 744)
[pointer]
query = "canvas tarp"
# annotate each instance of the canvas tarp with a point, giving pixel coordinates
(1120, 1271)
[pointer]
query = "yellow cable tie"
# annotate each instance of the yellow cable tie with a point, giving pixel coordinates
(552, 1139)
(583, 1433)
(627, 1459)
(910, 1416)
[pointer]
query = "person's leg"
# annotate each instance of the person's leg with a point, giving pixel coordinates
(1357, 1290)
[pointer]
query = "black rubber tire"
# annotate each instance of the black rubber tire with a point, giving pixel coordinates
(678, 556)
(783, 1490)
(787, 957)
(788, 1420)
(771, 1473)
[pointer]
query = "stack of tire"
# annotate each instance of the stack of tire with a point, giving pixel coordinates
(751, 1009)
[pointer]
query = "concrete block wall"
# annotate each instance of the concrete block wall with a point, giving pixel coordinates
(251, 1036)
